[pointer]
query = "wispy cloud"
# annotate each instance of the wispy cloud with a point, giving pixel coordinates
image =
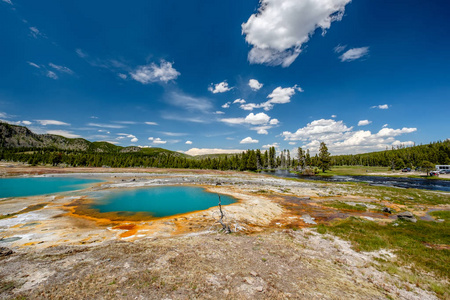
(52, 122)
(64, 133)
(8, 1)
(151, 123)
(381, 106)
(354, 54)
(188, 102)
(34, 32)
(61, 69)
(339, 48)
(113, 126)
(33, 64)
(204, 151)
(51, 74)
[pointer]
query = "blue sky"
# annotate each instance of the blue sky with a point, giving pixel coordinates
(222, 76)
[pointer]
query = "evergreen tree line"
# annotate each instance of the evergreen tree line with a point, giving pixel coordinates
(251, 160)
(438, 153)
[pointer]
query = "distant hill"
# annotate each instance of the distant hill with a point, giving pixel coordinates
(14, 136)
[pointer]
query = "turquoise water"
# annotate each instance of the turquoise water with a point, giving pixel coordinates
(160, 201)
(33, 186)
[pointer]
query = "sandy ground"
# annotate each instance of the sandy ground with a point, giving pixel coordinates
(63, 250)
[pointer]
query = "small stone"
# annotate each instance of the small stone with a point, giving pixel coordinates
(406, 215)
(5, 251)
(226, 292)
(387, 210)
(253, 273)
(260, 289)
(249, 280)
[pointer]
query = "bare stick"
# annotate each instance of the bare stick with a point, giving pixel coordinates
(225, 227)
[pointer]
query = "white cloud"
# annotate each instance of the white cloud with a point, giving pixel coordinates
(52, 122)
(173, 133)
(126, 122)
(381, 106)
(385, 125)
(123, 76)
(188, 143)
(276, 145)
(221, 87)
(64, 133)
(204, 151)
(278, 96)
(292, 143)
(106, 125)
(341, 139)
(8, 1)
(218, 112)
(151, 123)
(61, 68)
(241, 101)
(364, 122)
(233, 120)
(33, 64)
(262, 131)
(26, 122)
(333, 116)
(248, 140)
(274, 122)
(81, 53)
(354, 54)
(226, 105)
(339, 48)
(156, 140)
(254, 84)
(153, 73)
(258, 119)
(134, 140)
(189, 102)
(280, 28)
(51, 75)
(34, 32)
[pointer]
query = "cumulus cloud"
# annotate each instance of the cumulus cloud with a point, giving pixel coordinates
(156, 140)
(280, 28)
(381, 106)
(248, 140)
(134, 140)
(276, 145)
(354, 54)
(278, 96)
(364, 122)
(204, 151)
(262, 131)
(260, 122)
(188, 143)
(64, 133)
(226, 105)
(341, 139)
(221, 87)
(257, 119)
(153, 73)
(240, 101)
(255, 84)
(52, 122)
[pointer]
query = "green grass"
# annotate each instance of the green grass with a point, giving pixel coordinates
(419, 247)
(345, 206)
(443, 214)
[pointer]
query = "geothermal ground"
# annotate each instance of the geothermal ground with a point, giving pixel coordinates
(62, 249)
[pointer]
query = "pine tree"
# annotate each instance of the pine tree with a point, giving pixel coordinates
(324, 157)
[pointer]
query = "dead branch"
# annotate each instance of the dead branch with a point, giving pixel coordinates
(225, 227)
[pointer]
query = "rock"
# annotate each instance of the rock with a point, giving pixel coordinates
(253, 273)
(259, 289)
(387, 210)
(249, 280)
(307, 219)
(406, 215)
(5, 251)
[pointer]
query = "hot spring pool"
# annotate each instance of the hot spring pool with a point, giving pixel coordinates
(158, 201)
(34, 186)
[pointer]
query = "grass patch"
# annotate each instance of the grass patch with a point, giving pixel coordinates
(416, 245)
(442, 214)
(345, 206)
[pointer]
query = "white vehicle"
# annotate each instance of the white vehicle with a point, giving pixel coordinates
(442, 167)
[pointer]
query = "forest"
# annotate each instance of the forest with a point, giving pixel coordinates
(252, 160)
